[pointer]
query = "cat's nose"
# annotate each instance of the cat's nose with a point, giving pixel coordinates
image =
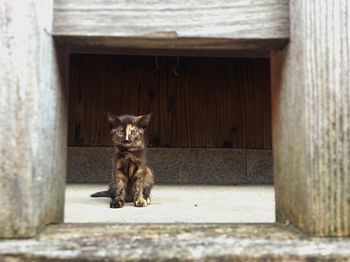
(126, 140)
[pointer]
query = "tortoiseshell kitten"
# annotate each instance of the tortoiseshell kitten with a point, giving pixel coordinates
(132, 179)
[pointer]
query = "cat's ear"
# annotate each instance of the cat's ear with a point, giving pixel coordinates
(143, 121)
(112, 119)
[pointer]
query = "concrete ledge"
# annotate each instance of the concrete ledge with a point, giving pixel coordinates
(154, 242)
(259, 167)
(175, 204)
(178, 165)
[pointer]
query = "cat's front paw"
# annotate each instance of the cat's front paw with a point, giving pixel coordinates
(140, 202)
(117, 203)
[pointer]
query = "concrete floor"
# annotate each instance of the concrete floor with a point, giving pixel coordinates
(176, 204)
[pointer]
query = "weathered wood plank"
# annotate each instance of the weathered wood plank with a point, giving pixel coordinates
(239, 24)
(33, 128)
(311, 119)
(179, 242)
(205, 52)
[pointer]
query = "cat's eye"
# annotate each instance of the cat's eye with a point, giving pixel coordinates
(119, 132)
(133, 132)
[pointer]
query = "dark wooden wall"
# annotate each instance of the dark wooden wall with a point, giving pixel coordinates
(211, 102)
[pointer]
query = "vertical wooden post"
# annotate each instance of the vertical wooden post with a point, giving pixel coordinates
(311, 119)
(32, 119)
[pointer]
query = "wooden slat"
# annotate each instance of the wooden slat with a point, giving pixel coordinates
(33, 130)
(257, 94)
(311, 119)
(195, 24)
(173, 242)
(212, 102)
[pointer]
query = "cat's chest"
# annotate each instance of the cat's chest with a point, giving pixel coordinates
(129, 162)
(128, 158)
(128, 166)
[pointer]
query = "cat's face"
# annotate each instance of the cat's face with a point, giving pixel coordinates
(128, 131)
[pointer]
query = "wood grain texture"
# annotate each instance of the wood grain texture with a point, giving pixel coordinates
(238, 24)
(311, 119)
(212, 102)
(174, 242)
(205, 52)
(33, 126)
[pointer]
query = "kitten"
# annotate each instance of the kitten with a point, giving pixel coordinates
(132, 178)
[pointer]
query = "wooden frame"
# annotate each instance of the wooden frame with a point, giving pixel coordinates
(311, 125)
(311, 121)
(219, 25)
(33, 115)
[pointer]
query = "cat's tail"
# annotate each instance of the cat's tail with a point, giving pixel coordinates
(106, 193)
